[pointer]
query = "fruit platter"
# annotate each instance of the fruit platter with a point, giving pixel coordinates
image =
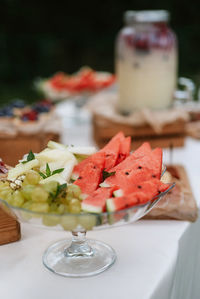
(18, 109)
(76, 188)
(86, 81)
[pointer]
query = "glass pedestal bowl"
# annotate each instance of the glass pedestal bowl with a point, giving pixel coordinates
(81, 257)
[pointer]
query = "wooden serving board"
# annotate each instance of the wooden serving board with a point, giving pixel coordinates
(179, 203)
(172, 134)
(9, 228)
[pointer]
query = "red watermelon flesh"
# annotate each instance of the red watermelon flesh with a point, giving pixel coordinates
(142, 151)
(122, 178)
(150, 188)
(146, 168)
(91, 174)
(124, 149)
(123, 202)
(112, 149)
(97, 159)
(96, 202)
(137, 194)
(110, 152)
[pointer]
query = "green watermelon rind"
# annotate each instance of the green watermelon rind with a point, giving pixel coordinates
(118, 193)
(91, 208)
(104, 185)
(110, 206)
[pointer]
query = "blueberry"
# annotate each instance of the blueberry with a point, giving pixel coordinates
(40, 108)
(8, 111)
(18, 103)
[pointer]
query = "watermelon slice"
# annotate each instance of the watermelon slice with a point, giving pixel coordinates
(151, 188)
(112, 150)
(120, 203)
(142, 151)
(137, 194)
(97, 159)
(124, 149)
(90, 176)
(96, 203)
(139, 170)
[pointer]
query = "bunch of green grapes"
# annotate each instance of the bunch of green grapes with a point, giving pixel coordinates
(48, 198)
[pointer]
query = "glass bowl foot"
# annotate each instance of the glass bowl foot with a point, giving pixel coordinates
(57, 259)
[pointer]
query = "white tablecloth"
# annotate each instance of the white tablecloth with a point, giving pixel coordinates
(155, 259)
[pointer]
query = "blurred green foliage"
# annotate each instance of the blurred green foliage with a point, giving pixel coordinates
(38, 38)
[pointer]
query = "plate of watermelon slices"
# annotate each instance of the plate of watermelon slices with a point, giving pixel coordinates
(76, 188)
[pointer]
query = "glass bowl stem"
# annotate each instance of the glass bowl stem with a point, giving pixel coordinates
(79, 245)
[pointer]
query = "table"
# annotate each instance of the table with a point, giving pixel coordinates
(155, 259)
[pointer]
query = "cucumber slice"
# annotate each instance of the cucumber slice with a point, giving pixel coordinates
(55, 145)
(56, 178)
(54, 155)
(21, 169)
(68, 168)
(82, 150)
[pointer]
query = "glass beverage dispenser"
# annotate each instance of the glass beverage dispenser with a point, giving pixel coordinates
(146, 61)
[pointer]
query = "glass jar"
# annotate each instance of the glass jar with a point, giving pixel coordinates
(146, 61)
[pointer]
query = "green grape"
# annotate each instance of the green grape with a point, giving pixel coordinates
(53, 207)
(51, 186)
(74, 206)
(73, 191)
(17, 199)
(32, 178)
(27, 191)
(66, 200)
(87, 221)
(39, 195)
(5, 192)
(50, 220)
(5, 187)
(69, 222)
(40, 207)
(27, 205)
(61, 209)
(8, 198)
(3, 184)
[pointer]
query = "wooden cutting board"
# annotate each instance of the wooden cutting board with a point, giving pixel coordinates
(179, 203)
(9, 228)
(104, 129)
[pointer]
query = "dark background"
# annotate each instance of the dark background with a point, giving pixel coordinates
(39, 38)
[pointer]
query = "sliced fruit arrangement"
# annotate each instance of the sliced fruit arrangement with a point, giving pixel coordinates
(42, 182)
(19, 110)
(72, 179)
(85, 80)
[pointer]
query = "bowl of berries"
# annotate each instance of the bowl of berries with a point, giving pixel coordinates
(78, 189)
